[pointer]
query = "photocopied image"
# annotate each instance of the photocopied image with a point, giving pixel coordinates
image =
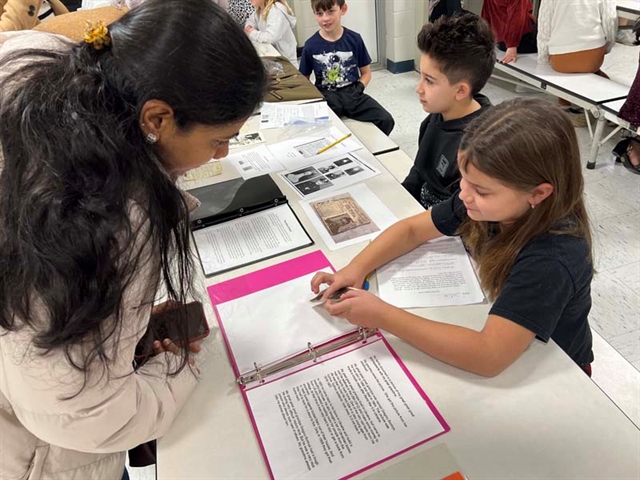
(308, 180)
(243, 140)
(302, 175)
(310, 149)
(314, 185)
(332, 174)
(343, 217)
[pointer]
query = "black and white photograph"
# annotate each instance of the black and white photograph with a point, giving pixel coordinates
(343, 161)
(327, 168)
(354, 170)
(313, 186)
(302, 175)
(335, 175)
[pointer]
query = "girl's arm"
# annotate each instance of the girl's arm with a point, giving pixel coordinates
(400, 238)
(487, 352)
(277, 25)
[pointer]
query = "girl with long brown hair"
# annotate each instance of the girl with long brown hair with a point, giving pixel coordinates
(520, 212)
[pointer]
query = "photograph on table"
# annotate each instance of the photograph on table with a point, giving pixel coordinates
(343, 218)
(246, 139)
(335, 174)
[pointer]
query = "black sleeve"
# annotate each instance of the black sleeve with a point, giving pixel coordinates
(449, 215)
(413, 182)
(535, 294)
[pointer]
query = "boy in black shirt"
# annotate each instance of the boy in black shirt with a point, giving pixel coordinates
(457, 60)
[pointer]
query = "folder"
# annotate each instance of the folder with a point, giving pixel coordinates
(326, 399)
(235, 198)
(240, 222)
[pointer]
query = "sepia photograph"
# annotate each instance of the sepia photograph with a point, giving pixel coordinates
(343, 218)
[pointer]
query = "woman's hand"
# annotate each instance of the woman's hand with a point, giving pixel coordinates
(349, 276)
(248, 29)
(360, 308)
(510, 56)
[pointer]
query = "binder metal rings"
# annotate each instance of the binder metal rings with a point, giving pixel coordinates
(258, 374)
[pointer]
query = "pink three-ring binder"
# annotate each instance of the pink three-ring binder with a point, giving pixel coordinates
(309, 355)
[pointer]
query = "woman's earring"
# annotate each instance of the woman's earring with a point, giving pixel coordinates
(532, 206)
(151, 138)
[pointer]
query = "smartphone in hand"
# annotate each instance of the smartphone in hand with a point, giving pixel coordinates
(165, 323)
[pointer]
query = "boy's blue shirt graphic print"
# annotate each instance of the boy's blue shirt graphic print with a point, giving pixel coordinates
(339, 69)
(335, 64)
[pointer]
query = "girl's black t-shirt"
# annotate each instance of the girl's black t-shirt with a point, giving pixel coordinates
(549, 288)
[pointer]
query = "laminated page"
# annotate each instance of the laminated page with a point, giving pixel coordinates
(266, 315)
(249, 239)
(341, 415)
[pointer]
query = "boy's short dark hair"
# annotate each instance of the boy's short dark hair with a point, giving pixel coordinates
(462, 46)
(324, 5)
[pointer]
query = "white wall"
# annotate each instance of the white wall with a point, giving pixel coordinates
(401, 29)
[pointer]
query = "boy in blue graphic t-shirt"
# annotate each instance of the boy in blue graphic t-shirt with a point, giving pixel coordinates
(340, 62)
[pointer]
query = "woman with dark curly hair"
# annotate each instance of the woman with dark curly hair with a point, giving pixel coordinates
(93, 136)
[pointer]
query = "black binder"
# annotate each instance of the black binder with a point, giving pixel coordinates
(235, 198)
(227, 201)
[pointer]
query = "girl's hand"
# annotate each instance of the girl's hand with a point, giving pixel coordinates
(347, 277)
(510, 56)
(360, 308)
(248, 29)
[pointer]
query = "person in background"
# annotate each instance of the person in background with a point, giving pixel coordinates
(443, 8)
(456, 61)
(574, 36)
(240, 10)
(341, 64)
(273, 22)
(513, 25)
(92, 225)
(23, 15)
(627, 150)
(521, 213)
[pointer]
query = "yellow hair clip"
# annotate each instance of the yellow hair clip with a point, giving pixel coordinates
(97, 34)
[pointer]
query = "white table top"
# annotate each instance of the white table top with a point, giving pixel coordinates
(589, 87)
(630, 6)
(541, 418)
(371, 137)
(613, 107)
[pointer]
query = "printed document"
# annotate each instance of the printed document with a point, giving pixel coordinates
(277, 115)
(436, 274)
(302, 151)
(249, 239)
(254, 162)
(329, 175)
(341, 415)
